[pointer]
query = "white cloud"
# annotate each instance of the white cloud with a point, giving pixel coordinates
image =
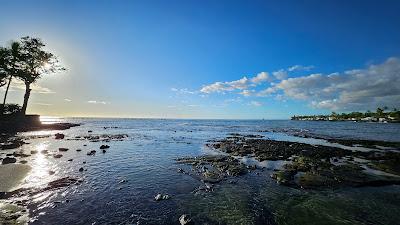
(267, 92)
(246, 93)
(226, 86)
(183, 91)
(67, 100)
(42, 104)
(261, 77)
(280, 74)
(361, 89)
(97, 102)
(300, 68)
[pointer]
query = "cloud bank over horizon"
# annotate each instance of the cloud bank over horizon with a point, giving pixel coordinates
(375, 86)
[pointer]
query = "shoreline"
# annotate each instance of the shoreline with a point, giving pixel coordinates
(209, 175)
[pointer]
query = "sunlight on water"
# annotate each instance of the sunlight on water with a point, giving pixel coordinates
(41, 166)
(50, 119)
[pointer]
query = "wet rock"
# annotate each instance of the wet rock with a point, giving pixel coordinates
(33, 152)
(81, 169)
(284, 177)
(92, 152)
(59, 136)
(214, 168)
(63, 149)
(78, 150)
(122, 181)
(90, 131)
(70, 160)
(104, 151)
(44, 151)
(57, 156)
(389, 166)
(20, 154)
(185, 220)
(23, 162)
(160, 197)
(104, 147)
(8, 160)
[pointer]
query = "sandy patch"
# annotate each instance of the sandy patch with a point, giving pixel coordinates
(11, 175)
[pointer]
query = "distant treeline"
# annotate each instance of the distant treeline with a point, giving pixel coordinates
(380, 115)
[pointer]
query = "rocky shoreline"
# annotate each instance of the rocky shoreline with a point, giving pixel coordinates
(317, 166)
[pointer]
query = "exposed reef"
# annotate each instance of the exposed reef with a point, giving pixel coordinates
(318, 166)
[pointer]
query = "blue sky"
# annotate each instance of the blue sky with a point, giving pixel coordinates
(163, 58)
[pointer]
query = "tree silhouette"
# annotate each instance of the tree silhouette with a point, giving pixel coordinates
(9, 67)
(35, 62)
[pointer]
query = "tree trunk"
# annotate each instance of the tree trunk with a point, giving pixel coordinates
(26, 98)
(5, 96)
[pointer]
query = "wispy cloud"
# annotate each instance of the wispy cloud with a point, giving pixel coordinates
(42, 104)
(67, 100)
(255, 103)
(17, 85)
(183, 91)
(300, 68)
(97, 102)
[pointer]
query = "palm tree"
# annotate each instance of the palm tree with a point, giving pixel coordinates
(35, 62)
(9, 66)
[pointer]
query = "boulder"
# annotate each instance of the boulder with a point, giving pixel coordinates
(59, 136)
(8, 160)
(104, 147)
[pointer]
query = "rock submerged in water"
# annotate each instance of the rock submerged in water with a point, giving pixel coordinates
(59, 136)
(160, 197)
(57, 156)
(104, 147)
(185, 220)
(8, 160)
(93, 152)
(63, 149)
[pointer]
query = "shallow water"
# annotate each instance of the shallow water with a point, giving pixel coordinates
(145, 159)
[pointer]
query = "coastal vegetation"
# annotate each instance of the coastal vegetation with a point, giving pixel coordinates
(26, 60)
(380, 115)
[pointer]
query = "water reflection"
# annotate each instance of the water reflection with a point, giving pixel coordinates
(50, 119)
(39, 174)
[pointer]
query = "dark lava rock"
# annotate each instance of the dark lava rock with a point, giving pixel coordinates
(59, 136)
(57, 156)
(81, 169)
(78, 150)
(214, 168)
(93, 152)
(8, 160)
(104, 147)
(63, 149)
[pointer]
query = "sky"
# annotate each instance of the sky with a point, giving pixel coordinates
(210, 59)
